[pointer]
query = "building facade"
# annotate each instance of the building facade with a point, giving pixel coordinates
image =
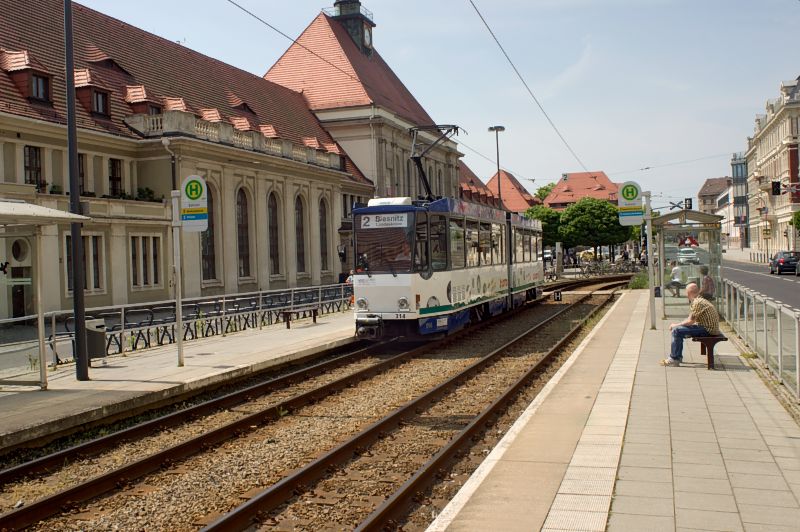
(741, 233)
(772, 158)
(709, 193)
(575, 186)
(724, 206)
(279, 184)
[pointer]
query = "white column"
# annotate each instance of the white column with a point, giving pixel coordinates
(289, 240)
(19, 161)
(89, 173)
(313, 259)
(126, 177)
(103, 178)
(47, 168)
(2, 162)
(261, 232)
(333, 231)
(118, 275)
(229, 251)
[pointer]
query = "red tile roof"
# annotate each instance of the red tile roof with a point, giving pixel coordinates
(356, 79)
(577, 185)
(515, 197)
(116, 55)
(472, 188)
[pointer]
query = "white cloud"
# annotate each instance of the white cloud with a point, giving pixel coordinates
(570, 76)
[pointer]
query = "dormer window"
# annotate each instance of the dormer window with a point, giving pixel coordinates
(40, 87)
(153, 109)
(100, 102)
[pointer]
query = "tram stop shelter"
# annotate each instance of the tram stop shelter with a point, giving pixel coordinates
(688, 243)
(20, 225)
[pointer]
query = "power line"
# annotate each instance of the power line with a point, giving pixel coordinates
(535, 99)
(676, 163)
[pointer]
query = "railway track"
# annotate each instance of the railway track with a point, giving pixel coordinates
(339, 374)
(399, 456)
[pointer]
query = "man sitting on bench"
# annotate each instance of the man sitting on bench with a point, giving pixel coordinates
(703, 320)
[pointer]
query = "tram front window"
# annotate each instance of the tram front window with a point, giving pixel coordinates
(384, 242)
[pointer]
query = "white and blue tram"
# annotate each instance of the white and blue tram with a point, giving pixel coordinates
(431, 268)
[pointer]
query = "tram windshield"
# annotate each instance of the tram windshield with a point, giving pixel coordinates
(384, 242)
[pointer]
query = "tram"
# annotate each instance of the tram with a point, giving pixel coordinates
(426, 268)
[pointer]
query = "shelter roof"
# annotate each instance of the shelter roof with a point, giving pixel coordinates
(686, 217)
(21, 213)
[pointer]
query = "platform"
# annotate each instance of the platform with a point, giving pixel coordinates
(617, 442)
(141, 378)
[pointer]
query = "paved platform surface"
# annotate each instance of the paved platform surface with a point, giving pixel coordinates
(617, 442)
(149, 376)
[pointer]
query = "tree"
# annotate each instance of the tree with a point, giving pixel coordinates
(544, 191)
(796, 220)
(550, 220)
(592, 222)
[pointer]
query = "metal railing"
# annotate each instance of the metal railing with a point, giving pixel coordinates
(768, 327)
(140, 326)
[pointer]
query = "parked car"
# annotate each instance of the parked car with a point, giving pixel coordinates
(688, 256)
(784, 261)
(547, 256)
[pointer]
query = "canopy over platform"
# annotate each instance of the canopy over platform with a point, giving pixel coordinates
(17, 214)
(20, 213)
(688, 218)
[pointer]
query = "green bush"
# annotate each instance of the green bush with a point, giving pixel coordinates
(639, 280)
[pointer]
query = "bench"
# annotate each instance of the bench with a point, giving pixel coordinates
(707, 344)
(299, 312)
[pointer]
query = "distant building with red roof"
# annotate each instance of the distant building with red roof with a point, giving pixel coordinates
(472, 189)
(575, 186)
(362, 102)
(515, 197)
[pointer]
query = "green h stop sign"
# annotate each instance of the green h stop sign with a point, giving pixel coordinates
(630, 191)
(194, 204)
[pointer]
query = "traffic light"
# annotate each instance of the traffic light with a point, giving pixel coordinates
(687, 204)
(776, 188)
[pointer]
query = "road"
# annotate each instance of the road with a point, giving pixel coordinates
(784, 288)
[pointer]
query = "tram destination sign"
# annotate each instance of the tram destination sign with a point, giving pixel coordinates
(383, 221)
(194, 204)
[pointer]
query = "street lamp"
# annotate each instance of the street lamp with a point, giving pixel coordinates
(497, 130)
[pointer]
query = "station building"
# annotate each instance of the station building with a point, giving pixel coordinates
(279, 182)
(772, 157)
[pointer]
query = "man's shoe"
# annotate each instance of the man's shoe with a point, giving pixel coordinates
(671, 362)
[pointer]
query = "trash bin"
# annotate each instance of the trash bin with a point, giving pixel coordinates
(96, 338)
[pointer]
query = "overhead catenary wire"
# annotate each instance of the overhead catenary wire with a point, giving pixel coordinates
(527, 87)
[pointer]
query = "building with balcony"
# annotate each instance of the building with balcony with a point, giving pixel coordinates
(575, 186)
(772, 157)
(362, 103)
(740, 237)
(279, 184)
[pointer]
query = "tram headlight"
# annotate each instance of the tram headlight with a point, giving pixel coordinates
(362, 303)
(402, 303)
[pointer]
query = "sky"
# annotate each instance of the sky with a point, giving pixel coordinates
(630, 84)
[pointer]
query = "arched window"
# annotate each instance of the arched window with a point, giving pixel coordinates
(243, 233)
(300, 234)
(207, 249)
(273, 230)
(323, 234)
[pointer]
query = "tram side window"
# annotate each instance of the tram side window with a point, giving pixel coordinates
(538, 241)
(473, 257)
(457, 259)
(497, 244)
(518, 253)
(438, 238)
(485, 244)
(528, 246)
(421, 243)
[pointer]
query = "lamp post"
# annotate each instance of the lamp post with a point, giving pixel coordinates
(497, 130)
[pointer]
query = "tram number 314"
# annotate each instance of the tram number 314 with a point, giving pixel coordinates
(399, 316)
(557, 295)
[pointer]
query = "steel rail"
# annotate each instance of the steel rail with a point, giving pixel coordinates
(242, 516)
(99, 445)
(386, 514)
(101, 484)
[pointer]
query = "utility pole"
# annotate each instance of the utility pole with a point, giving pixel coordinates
(648, 217)
(78, 282)
(497, 130)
